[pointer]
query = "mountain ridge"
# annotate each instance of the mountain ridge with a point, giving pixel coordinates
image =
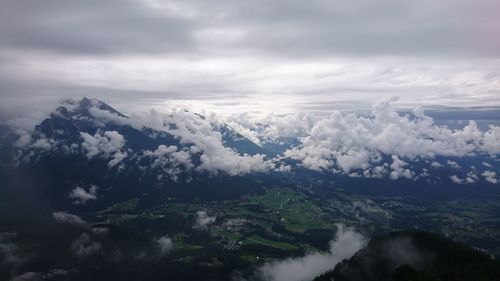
(415, 256)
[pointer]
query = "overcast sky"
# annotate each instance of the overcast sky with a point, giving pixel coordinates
(266, 55)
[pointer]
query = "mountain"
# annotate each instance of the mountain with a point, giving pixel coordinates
(91, 115)
(66, 125)
(183, 145)
(87, 142)
(91, 127)
(415, 256)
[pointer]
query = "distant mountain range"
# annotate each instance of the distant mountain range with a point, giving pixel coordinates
(334, 144)
(88, 141)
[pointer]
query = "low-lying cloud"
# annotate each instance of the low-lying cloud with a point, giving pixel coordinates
(165, 245)
(67, 218)
(384, 143)
(106, 144)
(81, 195)
(203, 220)
(344, 245)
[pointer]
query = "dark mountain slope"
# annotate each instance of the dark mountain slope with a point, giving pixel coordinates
(415, 256)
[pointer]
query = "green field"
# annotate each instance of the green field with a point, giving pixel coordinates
(256, 239)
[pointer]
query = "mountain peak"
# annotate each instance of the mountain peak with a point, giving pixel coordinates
(83, 107)
(74, 116)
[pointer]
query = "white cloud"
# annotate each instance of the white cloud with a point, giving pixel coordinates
(108, 145)
(344, 245)
(436, 164)
(81, 195)
(165, 245)
(43, 144)
(381, 143)
(102, 117)
(453, 164)
(247, 133)
(202, 136)
(64, 217)
(491, 140)
(397, 169)
(349, 141)
(470, 177)
(203, 220)
(170, 160)
(486, 164)
(470, 180)
(490, 176)
(456, 179)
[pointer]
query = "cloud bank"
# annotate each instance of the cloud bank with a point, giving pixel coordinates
(244, 56)
(382, 143)
(349, 142)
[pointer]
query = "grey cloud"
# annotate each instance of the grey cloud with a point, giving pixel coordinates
(28, 276)
(83, 246)
(91, 27)
(32, 100)
(402, 251)
(81, 195)
(316, 28)
(10, 252)
(165, 245)
(203, 220)
(67, 218)
(39, 276)
(302, 55)
(297, 28)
